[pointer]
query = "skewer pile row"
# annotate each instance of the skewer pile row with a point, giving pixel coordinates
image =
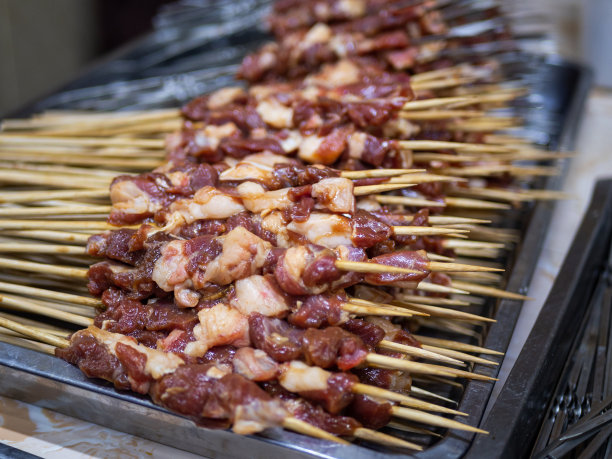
(271, 268)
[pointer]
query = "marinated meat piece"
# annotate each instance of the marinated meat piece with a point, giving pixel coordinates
(318, 311)
(140, 364)
(371, 413)
(333, 346)
(368, 230)
(275, 337)
(219, 355)
(95, 360)
(186, 391)
(115, 245)
(369, 333)
(305, 270)
(338, 394)
(316, 415)
(136, 198)
(402, 259)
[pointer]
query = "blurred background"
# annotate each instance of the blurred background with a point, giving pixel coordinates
(46, 43)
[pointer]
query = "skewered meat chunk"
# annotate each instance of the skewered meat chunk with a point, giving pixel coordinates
(326, 348)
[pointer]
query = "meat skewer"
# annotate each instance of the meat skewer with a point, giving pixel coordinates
(281, 269)
(120, 348)
(247, 254)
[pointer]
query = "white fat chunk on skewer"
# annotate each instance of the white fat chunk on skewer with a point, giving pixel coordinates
(211, 135)
(296, 376)
(291, 141)
(275, 223)
(254, 167)
(207, 203)
(275, 114)
(254, 364)
(242, 255)
(128, 198)
(224, 96)
(219, 325)
(335, 194)
(258, 294)
(328, 230)
(170, 268)
(256, 199)
(309, 147)
(343, 72)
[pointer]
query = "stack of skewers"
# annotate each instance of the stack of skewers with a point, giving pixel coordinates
(272, 268)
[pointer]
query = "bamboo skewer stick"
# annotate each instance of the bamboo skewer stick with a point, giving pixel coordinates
(75, 225)
(456, 345)
(32, 333)
(8, 247)
(425, 393)
(371, 189)
(54, 236)
(440, 84)
(497, 169)
(377, 173)
(519, 155)
(454, 244)
(299, 426)
(23, 265)
(433, 311)
(22, 304)
(102, 152)
(452, 220)
(69, 172)
(82, 160)
(437, 288)
(425, 418)
(88, 120)
(425, 231)
(53, 210)
(424, 145)
(373, 391)
(373, 311)
(424, 178)
(384, 439)
(418, 352)
(411, 429)
(437, 311)
(29, 196)
(459, 355)
(448, 202)
(427, 115)
(49, 294)
(434, 301)
(421, 368)
(14, 139)
(19, 340)
(522, 195)
(20, 177)
(489, 291)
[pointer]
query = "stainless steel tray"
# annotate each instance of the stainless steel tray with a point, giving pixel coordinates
(552, 112)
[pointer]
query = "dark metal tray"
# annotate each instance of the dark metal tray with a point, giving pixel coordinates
(516, 417)
(552, 112)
